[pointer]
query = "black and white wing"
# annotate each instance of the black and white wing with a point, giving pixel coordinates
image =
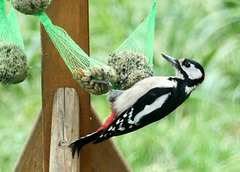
(146, 110)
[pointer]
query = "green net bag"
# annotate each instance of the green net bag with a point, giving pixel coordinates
(13, 60)
(95, 76)
(91, 74)
(133, 59)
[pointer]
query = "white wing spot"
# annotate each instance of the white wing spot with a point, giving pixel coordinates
(130, 126)
(125, 115)
(118, 121)
(130, 121)
(110, 128)
(130, 114)
(121, 128)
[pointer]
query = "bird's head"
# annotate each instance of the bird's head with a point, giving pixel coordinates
(188, 70)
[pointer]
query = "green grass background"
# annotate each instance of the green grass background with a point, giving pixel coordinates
(203, 135)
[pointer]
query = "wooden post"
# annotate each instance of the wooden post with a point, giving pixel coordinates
(66, 112)
(65, 129)
(72, 16)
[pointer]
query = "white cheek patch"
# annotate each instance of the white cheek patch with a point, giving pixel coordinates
(192, 72)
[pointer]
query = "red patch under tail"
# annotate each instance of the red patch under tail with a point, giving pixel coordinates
(109, 120)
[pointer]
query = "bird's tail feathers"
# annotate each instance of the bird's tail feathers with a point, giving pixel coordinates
(78, 144)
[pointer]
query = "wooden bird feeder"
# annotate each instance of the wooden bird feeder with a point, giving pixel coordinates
(66, 111)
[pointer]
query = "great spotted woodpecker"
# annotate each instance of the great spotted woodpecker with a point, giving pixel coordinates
(147, 101)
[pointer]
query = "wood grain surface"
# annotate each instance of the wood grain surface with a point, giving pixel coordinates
(72, 16)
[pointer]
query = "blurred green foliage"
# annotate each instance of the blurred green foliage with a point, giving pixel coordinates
(202, 135)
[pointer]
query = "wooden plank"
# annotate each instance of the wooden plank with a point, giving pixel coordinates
(65, 129)
(106, 155)
(71, 15)
(31, 157)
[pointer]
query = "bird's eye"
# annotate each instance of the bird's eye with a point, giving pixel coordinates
(187, 64)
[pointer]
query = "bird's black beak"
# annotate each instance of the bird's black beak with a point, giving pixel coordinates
(172, 60)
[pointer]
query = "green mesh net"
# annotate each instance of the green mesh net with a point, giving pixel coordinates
(9, 27)
(95, 76)
(132, 61)
(89, 72)
(13, 60)
(141, 40)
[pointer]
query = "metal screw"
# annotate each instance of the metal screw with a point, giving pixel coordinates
(62, 143)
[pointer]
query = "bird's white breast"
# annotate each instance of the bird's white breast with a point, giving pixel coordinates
(130, 96)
